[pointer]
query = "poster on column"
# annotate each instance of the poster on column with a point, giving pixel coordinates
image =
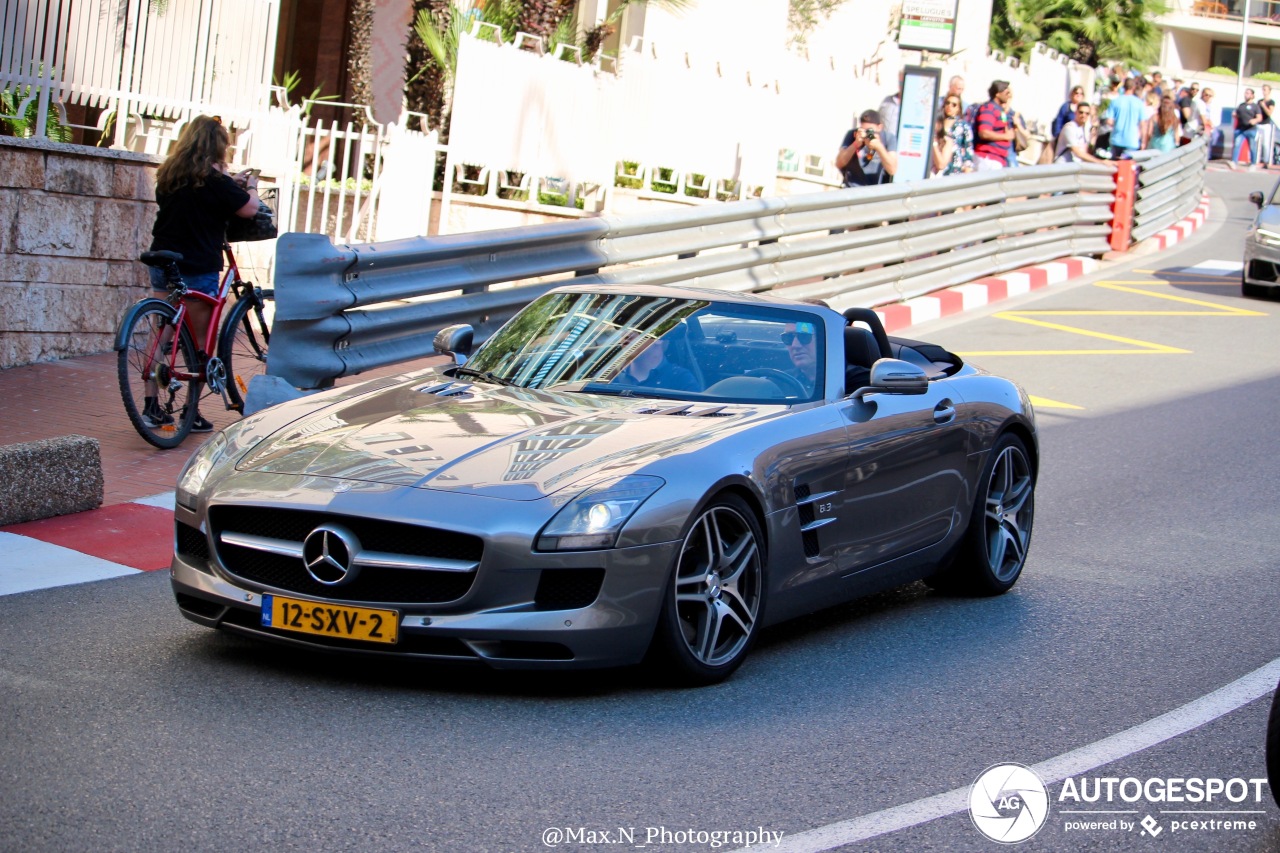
(920, 90)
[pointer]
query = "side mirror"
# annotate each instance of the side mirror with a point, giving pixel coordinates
(895, 376)
(455, 341)
(1256, 198)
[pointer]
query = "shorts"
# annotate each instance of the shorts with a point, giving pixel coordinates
(986, 164)
(204, 282)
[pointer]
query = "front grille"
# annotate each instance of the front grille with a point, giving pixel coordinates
(567, 589)
(191, 543)
(1263, 271)
(400, 586)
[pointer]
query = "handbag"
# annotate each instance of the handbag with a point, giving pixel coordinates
(262, 226)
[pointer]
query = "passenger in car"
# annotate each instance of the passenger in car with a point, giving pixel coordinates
(652, 369)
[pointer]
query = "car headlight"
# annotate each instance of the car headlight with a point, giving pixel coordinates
(1270, 237)
(198, 469)
(595, 518)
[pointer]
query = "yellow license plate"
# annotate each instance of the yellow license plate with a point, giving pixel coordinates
(330, 620)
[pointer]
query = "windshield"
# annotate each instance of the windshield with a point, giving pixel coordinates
(656, 346)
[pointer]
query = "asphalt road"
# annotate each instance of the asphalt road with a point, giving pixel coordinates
(1151, 583)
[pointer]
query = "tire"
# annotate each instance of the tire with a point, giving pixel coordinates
(146, 353)
(714, 600)
(1273, 747)
(994, 549)
(242, 348)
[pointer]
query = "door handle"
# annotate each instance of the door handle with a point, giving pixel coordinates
(944, 412)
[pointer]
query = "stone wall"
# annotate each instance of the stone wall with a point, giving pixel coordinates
(73, 220)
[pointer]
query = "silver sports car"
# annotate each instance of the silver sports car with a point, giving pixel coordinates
(1261, 273)
(616, 474)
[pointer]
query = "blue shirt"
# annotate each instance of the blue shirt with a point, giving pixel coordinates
(1127, 112)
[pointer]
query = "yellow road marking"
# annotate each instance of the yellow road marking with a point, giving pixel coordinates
(1134, 346)
(1044, 403)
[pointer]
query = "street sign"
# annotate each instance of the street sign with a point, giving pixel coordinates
(928, 25)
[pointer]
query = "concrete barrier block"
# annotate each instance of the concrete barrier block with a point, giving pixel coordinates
(53, 476)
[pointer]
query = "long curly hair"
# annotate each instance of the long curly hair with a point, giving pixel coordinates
(201, 147)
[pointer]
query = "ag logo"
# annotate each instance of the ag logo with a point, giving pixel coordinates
(1008, 803)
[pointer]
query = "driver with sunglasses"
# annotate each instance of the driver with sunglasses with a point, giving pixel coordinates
(803, 350)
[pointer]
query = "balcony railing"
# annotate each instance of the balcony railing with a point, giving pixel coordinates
(1260, 11)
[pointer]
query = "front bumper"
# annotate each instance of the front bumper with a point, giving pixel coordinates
(1261, 262)
(504, 619)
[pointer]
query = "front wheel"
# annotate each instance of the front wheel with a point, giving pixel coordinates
(994, 549)
(713, 603)
(158, 379)
(242, 347)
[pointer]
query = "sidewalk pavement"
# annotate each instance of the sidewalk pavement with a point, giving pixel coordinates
(133, 530)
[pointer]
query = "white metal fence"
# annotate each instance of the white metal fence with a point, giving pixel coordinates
(135, 57)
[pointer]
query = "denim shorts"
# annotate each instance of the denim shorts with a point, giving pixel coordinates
(205, 282)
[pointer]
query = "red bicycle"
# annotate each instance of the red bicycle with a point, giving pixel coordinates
(158, 363)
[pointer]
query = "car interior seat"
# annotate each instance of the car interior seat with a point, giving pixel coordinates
(860, 352)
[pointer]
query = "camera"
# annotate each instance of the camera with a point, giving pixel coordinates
(868, 133)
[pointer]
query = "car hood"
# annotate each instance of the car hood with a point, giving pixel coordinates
(508, 443)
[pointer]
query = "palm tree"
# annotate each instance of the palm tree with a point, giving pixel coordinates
(1085, 30)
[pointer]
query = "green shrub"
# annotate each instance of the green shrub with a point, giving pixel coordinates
(1219, 69)
(632, 181)
(663, 181)
(25, 125)
(696, 191)
(1267, 75)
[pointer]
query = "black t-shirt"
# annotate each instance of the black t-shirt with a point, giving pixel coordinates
(193, 221)
(1245, 114)
(866, 169)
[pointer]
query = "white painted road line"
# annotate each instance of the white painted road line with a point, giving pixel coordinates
(31, 564)
(1177, 722)
(164, 500)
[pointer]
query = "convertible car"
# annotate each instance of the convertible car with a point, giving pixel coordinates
(616, 475)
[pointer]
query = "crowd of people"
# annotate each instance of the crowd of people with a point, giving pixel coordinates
(1129, 112)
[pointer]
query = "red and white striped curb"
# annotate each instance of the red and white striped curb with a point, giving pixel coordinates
(984, 291)
(1184, 229)
(87, 546)
(966, 297)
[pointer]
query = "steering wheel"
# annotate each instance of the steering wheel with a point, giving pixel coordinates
(782, 379)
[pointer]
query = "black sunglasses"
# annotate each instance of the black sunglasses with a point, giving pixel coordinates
(803, 337)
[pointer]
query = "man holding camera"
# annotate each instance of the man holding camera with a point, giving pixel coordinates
(867, 154)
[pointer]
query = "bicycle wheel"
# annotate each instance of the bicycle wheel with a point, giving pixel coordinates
(242, 346)
(160, 406)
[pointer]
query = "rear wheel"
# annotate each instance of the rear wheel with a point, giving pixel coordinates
(160, 406)
(242, 347)
(711, 611)
(994, 548)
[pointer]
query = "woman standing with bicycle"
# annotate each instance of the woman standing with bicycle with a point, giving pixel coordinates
(197, 198)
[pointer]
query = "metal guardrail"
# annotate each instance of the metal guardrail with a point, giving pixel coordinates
(1169, 187)
(342, 310)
